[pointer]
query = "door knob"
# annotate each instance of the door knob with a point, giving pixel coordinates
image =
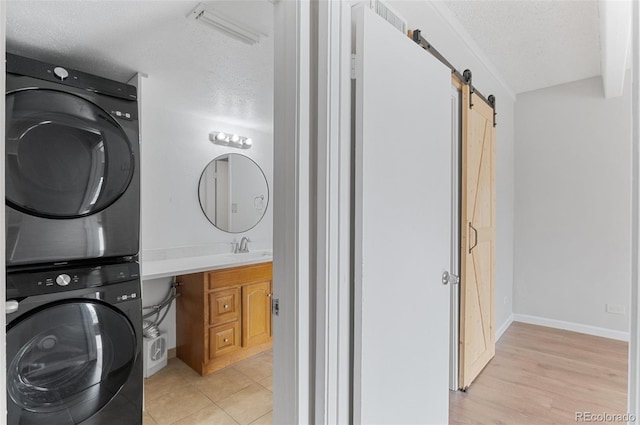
(450, 278)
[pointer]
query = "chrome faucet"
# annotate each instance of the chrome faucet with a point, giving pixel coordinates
(244, 245)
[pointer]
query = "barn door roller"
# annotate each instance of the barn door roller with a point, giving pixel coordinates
(466, 76)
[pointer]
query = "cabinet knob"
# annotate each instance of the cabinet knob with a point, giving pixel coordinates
(269, 295)
(226, 340)
(226, 306)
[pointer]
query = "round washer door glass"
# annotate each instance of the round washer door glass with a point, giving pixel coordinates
(67, 361)
(65, 156)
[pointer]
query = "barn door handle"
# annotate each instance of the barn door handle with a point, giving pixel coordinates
(476, 237)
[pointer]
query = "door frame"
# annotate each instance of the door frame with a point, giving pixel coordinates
(292, 363)
(634, 316)
(456, 177)
(332, 143)
(312, 240)
(312, 212)
(3, 286)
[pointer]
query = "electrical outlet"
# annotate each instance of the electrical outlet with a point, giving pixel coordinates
(615, 308)
(506, 300)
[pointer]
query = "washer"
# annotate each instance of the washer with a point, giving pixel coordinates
(74, 339)
(72, 165)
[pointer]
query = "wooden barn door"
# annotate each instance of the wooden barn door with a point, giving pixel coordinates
(477, 260)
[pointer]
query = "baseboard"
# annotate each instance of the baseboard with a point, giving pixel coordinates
(171, 352)
(571, 326)
(503, 328)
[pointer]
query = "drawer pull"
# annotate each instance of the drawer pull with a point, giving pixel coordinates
(226, 306)
(226, 340)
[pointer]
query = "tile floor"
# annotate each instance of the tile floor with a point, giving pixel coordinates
(239, 394)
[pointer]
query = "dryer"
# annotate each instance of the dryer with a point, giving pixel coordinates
(72, 166)
(74, 340)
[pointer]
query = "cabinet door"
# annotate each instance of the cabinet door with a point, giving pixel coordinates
(256, 313)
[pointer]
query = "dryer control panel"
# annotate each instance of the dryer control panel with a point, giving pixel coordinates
(69, 77)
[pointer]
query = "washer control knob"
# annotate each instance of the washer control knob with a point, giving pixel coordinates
(60, 72)
(63, 279)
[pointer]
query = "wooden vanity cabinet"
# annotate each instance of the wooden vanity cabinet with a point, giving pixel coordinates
(223, 316)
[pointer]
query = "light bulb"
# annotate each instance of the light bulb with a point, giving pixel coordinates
(221, 137)
(235, 138)
(248, 141)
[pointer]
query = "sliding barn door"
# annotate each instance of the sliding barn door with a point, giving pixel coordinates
(478, 218)
(402, 228)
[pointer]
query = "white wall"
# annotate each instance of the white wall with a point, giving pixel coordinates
(572, 209)
(422, 15)
(175, 151)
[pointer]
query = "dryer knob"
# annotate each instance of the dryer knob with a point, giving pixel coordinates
(60, 72)
(63, 279)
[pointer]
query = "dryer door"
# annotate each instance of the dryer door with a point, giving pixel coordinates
(66, 361)
(65, 156)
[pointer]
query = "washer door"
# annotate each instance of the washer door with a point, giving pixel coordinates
(66, 361)
(65, 156)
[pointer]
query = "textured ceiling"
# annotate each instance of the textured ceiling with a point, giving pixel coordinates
(202, 70)
(534, 44)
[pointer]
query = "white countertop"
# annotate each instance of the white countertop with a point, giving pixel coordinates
(176, 266)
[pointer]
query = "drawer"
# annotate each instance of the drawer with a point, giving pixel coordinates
(224, 306)
(224, 339)
(237, 276)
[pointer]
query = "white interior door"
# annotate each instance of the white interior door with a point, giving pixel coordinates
(402, 228)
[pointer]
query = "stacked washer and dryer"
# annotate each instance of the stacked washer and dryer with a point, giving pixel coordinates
(74, 321)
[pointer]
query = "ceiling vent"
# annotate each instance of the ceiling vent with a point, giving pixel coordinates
(388, 14)
(225, 24)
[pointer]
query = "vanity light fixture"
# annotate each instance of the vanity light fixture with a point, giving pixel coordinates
(222, 23)
(232, 140)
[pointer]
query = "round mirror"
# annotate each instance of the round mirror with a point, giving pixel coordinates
(233, 193)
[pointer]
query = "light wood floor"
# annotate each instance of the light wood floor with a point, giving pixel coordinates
(544, 376)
